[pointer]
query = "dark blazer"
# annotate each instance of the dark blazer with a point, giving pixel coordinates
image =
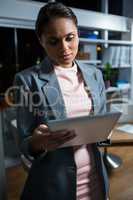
(39, 99)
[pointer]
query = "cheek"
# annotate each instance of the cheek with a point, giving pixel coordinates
(75, 47)
(47, 48)
(75, 44)
(51, 51)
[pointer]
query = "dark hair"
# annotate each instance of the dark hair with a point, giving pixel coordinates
(51, 11)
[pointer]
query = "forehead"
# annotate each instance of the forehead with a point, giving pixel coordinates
(59, 27)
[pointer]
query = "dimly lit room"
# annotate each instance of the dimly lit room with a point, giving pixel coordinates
(66, 100)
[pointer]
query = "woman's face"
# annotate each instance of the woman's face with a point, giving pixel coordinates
(60, 41)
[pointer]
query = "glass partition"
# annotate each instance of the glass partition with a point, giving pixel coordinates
(30, 51)
(19, 49)
(7, 58)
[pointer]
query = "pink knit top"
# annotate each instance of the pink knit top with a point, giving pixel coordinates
(78, 103)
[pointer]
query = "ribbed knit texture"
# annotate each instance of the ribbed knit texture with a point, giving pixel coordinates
(78, 103)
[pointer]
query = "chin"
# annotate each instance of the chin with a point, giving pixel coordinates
(67, 62)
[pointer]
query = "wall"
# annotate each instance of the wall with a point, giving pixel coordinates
(26, 10)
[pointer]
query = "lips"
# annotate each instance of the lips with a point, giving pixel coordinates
(66, 56)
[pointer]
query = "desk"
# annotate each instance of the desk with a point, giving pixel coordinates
(120, 138)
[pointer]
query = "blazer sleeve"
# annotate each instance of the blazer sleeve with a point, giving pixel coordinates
(103, 105)
(26, 121)
(102, 91)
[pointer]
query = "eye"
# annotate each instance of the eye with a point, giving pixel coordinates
(69, 38)
(53, 42)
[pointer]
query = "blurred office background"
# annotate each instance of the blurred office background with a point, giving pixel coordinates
(106, 37)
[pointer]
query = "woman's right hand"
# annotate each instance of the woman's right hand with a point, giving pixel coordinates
(44, 140)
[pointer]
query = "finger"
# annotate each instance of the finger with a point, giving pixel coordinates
(43, 128)
(62, 134)
(62, 140)
(59, 143)
(67, 138)
(60, 131)
(56, 136)
(53, 145)
(38, 132)
(53, 141)
(72, 131)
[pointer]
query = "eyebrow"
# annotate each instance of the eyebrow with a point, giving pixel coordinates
(54, 37)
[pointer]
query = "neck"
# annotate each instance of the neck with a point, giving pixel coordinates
(63, 65)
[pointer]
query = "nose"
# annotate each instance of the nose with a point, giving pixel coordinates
(64, 45)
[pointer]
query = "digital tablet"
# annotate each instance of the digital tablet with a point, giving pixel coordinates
(88, 129)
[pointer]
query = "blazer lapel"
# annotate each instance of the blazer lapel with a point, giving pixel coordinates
(51, 89)
(89, 76)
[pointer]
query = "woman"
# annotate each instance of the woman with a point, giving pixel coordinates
(58, 88)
